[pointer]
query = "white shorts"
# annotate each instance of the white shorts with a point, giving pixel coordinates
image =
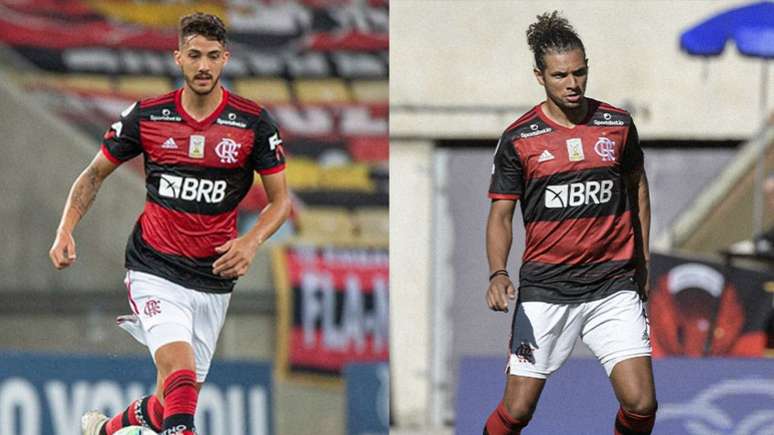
(165, 312)
(615, 328)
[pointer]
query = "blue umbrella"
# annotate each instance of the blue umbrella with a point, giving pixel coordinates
(751, 27)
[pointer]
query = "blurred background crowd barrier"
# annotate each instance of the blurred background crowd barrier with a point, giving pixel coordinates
(321, 67)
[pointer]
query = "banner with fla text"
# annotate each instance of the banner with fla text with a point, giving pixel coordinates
(333, 307)
(700, 308)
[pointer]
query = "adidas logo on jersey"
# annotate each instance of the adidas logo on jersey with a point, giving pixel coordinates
(169, 144)
(545, 156)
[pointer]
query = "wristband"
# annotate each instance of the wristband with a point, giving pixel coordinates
(499, 272)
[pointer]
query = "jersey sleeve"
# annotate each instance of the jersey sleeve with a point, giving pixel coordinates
(507, 180)
(632, 158)
(122, 140)
(268, 155)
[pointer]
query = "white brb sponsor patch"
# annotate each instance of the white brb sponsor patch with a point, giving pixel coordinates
(192, 189)
(575, 194)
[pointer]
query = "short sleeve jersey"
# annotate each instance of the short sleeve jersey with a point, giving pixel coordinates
(196, 173)
(575, 205)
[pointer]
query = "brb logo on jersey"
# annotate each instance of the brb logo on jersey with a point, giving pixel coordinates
(192, 189)
(227, 150)
(575, 194)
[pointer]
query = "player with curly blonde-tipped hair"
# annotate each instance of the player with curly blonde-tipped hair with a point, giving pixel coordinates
(576, 166)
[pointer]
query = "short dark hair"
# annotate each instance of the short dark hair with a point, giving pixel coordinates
(199, 23)
(552, 32)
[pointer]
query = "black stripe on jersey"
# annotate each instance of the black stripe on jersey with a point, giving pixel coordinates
(530, 127)
(190, 273)
(164, 111)
(233, 117)
(609, 118)
(197, 189)
(574, 195)
(564, 283)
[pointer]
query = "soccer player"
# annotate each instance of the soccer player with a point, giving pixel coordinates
(576, 166)
(201, 145)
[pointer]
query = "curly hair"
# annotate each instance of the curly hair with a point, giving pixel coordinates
(199, 23)
(552, 32)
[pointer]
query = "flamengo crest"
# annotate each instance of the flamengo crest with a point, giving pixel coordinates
(227, 150)
(605, 148)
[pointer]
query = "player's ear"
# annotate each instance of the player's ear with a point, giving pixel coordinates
(177, 55)
(226, 56)
(539, 76)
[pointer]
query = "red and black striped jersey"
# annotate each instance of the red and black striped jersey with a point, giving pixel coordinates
(196, 172)
(574, 201)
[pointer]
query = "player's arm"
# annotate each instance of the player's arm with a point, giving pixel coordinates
(637, 182)
(82, 194)
(499, 235)
(637, 188)
(238, 253)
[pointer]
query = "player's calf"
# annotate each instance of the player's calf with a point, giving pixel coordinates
(180, 398)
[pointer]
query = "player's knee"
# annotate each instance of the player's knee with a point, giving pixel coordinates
(173, 357)
(642, 405)
(519, 410)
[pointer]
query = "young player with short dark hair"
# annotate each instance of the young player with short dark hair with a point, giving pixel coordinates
(201, 146)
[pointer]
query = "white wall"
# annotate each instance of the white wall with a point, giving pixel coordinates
(474, 55)
(410, 268)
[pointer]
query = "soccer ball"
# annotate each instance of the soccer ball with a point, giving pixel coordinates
(135, 430)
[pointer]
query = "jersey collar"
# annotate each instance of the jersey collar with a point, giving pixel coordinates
(589, 114)
(200, 125)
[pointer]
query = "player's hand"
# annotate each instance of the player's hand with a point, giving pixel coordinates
(62, 252)
(237, 256)
(500, 290)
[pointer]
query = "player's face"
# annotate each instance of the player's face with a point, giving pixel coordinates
(564, 78)
(201, 60)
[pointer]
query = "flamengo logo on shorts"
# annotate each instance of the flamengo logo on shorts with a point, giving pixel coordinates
(192, 189)
(574, 194)
(152, 307)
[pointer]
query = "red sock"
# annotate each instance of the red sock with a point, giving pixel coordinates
(180, 398)
(501, 423)
(629, 423)
(154, 413)
(142, 412)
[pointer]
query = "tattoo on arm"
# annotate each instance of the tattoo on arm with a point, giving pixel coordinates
(85, 190)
